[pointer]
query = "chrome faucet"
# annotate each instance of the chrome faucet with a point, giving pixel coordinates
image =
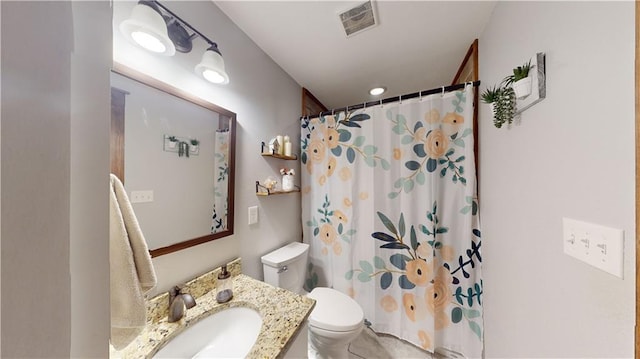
(179, 303)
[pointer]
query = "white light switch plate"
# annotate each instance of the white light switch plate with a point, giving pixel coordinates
(253, 215)
(599, 246)
(141, 196)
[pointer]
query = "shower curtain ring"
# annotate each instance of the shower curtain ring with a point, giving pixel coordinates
(442, 91)
(420, 94)
(400, 99)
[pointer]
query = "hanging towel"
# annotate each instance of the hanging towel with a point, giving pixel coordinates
(132, 273)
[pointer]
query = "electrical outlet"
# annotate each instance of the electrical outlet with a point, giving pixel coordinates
(599, 246)
(141, 196)
(253, 215)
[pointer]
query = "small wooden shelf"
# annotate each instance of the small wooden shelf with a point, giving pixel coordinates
(266, 153)
(264, 191)
(282, 157)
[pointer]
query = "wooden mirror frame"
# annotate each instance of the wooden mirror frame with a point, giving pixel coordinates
(637, 144)
(117, 151)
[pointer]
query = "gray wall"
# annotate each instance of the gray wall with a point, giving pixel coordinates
(571, 156)
(266, 101)
(55, 128)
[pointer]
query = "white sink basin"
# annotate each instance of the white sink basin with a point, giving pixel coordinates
(229, 333)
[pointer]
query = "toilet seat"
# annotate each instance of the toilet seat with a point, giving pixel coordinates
(335, 311)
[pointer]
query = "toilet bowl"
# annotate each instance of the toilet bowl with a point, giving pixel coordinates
(336, 319)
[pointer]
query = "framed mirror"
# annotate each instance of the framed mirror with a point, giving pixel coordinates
(175, 155)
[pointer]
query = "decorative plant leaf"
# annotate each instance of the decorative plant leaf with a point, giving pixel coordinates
(471, 313)
(385, 280)
(364, 277)
(337, 151)
(401, 120)
(378, 262)
(350, 124)
(420, 178)
(397, 129)
(456, 315)
(467, 132)
(401, 225)
(459, 296)
(412, 165)
(393, 195)
(442, 230)
(345, 135)
(370, 150)
(351, 232)
(316, 231)
(340, 228)
(309, 223)
(431, 165)
(476, 329)
(405, 283)
(387, 223)
(463, 180)
(351, 155)
(399, 260)
(417, 126)
(414, 239)
(459, 142)
(394, 246)
(465, 209)
(419, 150)
(460, 159)
(348, 275)
(370, 161)
(303, 157)
(366, 267)
(476, 233)
(408, 185)
(398, 183)
(407, 139)
(450, 152)
(385, 164)
(443, 172)
(360, 117)
(358, 141)
(383, 237)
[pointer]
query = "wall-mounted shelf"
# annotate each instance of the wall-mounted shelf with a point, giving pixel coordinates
(264, 191)
(266, 153)
(282, 157)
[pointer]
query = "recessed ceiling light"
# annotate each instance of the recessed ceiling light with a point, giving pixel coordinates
(377, 91)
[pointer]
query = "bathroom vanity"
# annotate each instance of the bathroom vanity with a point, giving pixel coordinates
(284, 315)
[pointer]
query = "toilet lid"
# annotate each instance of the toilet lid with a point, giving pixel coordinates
(334, 311)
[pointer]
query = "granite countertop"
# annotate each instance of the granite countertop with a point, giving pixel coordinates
(283, 314)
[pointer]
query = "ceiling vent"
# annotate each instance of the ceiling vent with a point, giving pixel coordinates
(358, 18)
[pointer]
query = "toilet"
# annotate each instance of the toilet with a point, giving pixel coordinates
(336, 319)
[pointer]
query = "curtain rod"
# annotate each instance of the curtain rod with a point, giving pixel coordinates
(396, 98)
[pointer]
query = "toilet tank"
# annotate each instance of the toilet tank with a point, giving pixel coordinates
(285, 267)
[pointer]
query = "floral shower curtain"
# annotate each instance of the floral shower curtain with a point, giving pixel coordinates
(391, 216)
(221, 166)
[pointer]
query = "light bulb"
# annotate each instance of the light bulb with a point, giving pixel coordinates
(213, 76)
(377, 91)
(148, 41)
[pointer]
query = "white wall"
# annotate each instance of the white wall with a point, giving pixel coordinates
(572, 155)
(55, 120)
(266, 101)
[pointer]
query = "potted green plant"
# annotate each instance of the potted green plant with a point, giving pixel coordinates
(194, 145)
(520, 80)
(490, 96)
(504, 107)
(173, 141)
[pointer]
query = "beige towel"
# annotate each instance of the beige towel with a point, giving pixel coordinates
(132, 274)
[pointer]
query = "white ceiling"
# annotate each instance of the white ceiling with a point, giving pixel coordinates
(417, 45)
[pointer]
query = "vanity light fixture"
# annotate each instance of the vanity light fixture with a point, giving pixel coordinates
(156, 28)
(376, 91)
